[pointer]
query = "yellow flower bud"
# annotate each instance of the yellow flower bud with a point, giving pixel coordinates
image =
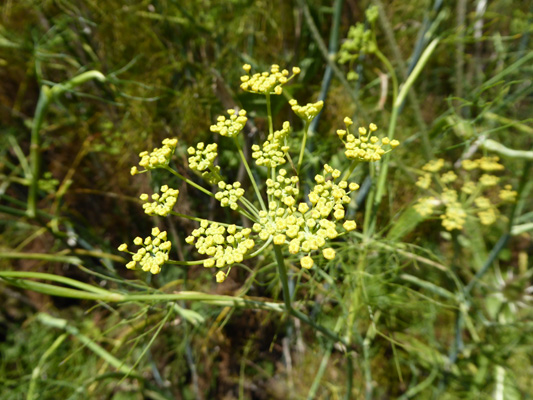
(279, 239)
(306, 262)
(349, 225)
(221, 276)
(329, 253)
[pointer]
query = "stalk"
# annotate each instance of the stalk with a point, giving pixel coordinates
(188, 181)
(380, 188)
(250, 174)
(302, 148)
(288, 303)
(46, 96)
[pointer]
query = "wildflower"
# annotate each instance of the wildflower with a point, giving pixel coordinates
(307, 112)
(434, 165)
(364, 147)
(152, 254)
(305, 223)
(202, 158)
(455, 216)
(231, 126)
(490, 164)
(267, 82)
(488, 180)
(329, 253)
(225, 245)
(471, 203)
(162, 204)
(507, 194)
(274, 149)
(157, 158)
(349, 225)
(306, 262)
(426, 205)
(424, 181)
(221, 276)
(229, 194)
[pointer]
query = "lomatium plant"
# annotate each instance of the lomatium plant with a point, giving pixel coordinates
(280, 214)
(453, 198)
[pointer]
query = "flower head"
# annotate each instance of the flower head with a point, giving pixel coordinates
(162, 204)
(458, 196)
(363, 146)
(231, 126)
(157, 158)
(152, 254)
(267, 82)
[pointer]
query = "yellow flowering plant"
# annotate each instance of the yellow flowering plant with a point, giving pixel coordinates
(472, 192)
(280, 214)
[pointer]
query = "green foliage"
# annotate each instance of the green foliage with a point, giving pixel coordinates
(404, 310)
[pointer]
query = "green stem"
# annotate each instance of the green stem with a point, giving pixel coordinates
(39, 256)
(288, 304)
(269, 115)
(21, 279)
(38, 369)
(94, 347)
(258, 251)
(184, 263)
(349, 172)
(424, 58)
(188, 181)
(250, 207)
(250, 174)
(302, 148)
(392, 73)
(46, 96)
(35, 149)
(369, 210)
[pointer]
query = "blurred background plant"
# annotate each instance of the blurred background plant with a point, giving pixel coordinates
(432, 314)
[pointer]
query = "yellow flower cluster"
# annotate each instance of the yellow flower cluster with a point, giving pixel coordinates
(465, 198)
(307, 112)
(454, 216)
(225, 245)
(202, 160)
(266, 82)
(152, 254)
(305, 229)
(229, 195)
(488, 164)
(303, 225)
(157, 158)
(274, 149)
(162, 204)
(507, 194)
(283, 188)
(231, 126)
(364, 147)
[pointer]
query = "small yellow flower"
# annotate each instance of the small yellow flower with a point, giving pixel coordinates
(329, 253)
(221, 276)
(306, 262)
(349, 225)
(279, 239)
(123, 247)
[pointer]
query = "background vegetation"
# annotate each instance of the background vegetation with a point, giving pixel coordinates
(436, 316)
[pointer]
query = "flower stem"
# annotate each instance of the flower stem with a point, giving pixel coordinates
(302, 148)
(252, 179)
(184, 263)
(186, 180)
(288, 304)
(347, 174)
